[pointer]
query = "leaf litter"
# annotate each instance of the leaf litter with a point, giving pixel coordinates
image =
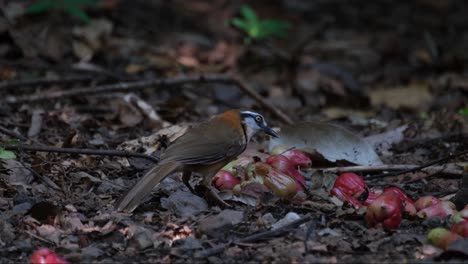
(415, 97)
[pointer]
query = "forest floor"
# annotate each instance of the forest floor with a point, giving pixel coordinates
(139, 73)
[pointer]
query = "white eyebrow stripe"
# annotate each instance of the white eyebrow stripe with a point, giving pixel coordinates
(249, 113)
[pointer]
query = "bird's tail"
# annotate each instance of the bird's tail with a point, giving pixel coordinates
(143, 187)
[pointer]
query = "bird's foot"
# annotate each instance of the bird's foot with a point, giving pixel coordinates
(211, 196)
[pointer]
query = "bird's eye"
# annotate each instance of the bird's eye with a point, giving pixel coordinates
(258, 119)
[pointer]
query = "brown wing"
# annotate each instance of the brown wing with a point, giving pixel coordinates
(206, 144)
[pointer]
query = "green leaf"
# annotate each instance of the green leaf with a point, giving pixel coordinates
(254, 31)
(259, 29)
(82, 3)
(76, 12)
(463, 112)
(6, 154)
(275, 28)
(12, 142)
(249, 14)
(40, 6)
(423, 115)
(240, 23)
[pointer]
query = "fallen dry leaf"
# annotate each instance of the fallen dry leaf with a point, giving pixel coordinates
(383, 142)
(334, 143)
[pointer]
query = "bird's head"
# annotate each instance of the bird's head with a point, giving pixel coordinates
(253, 123)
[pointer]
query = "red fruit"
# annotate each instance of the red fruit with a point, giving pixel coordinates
(371, 196)
(441, 209)
(279, 183)
(425, 201)
(441, 237)
(461, 228)
(400, 193)
(409, 207)
(345, 197)
(348, 187)
(297, 157)
(284, 165)
(46, 256)
(224, 180)
(351, 184)
(385, 211)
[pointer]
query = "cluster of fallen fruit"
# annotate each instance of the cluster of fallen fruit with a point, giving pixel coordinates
(279, 174)
(385, 208)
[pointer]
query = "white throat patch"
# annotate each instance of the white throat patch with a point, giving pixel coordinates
(251, 127)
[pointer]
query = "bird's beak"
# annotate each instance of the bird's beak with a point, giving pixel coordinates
(270, 132)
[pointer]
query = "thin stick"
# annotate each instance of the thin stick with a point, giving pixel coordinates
(44, 179)
(12, 134)
(45, 240)
(101, 152)
(449, 157)
(16, 135)
(275, 110)
(255, 237)
(132, 86)
(43, 81)
(392, 167)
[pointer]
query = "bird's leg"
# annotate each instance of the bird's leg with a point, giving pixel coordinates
(209, 192)
(213, 195)
(210, 195)
(186, 175)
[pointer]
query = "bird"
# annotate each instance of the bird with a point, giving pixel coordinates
(203, 149)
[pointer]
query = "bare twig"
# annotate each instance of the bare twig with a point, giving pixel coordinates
(43, 81)
(12, 134)
(44, 179)
(246, 89)
(101, 152)
(417, 168)
(16, 135)
(132, 86)
(50, 242)
(256, 237)
(393, 167)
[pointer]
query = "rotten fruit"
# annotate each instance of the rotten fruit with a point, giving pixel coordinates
(225, 180)
(46, 256)
(385, 211)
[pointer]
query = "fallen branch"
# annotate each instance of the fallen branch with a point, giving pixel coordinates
(255, 237)
(132, 86)
(393, 167)
(100, 152)
(418, 168)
